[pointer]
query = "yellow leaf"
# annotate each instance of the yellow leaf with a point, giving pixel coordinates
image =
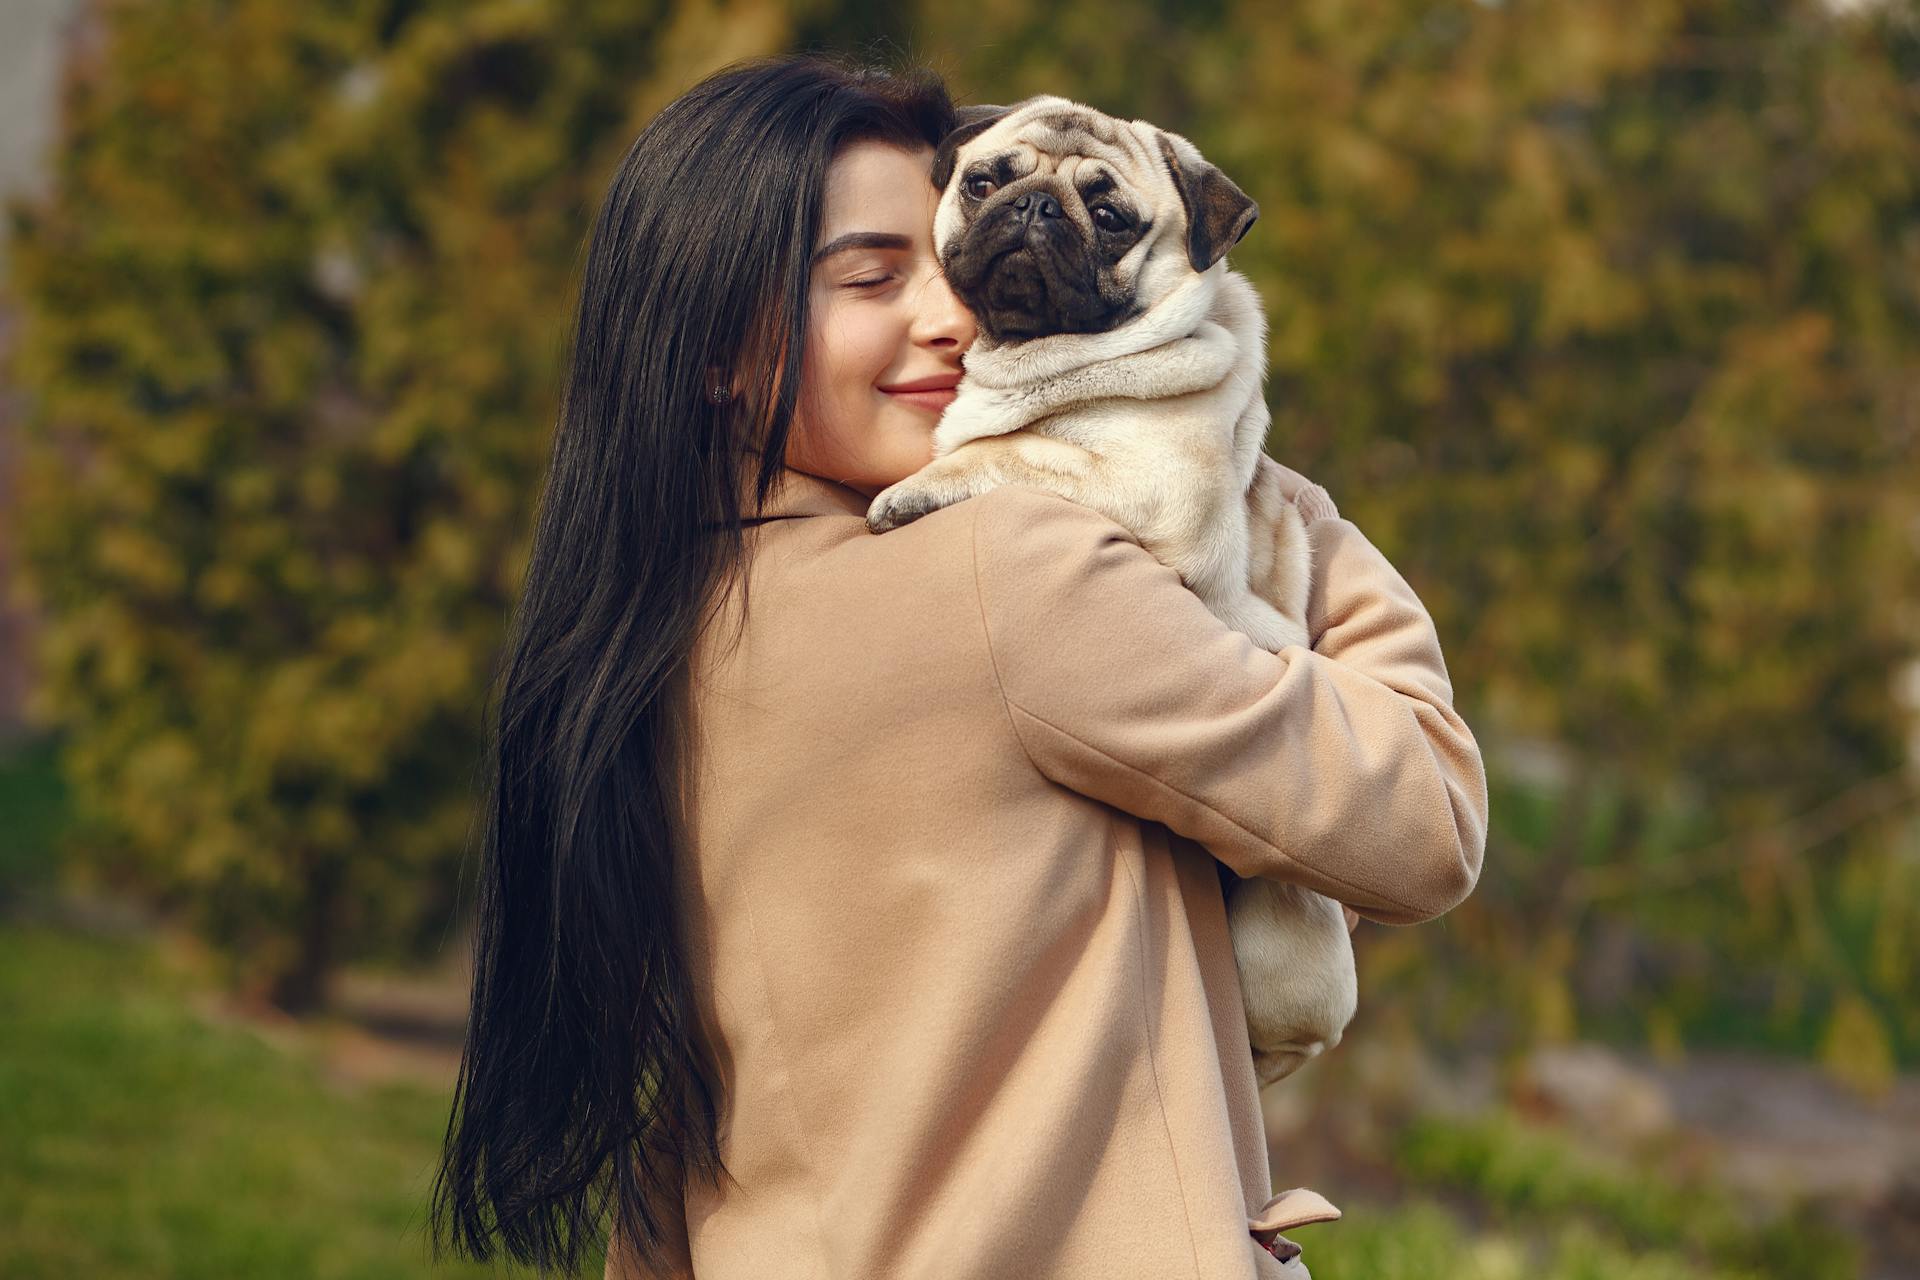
(1855, 1049)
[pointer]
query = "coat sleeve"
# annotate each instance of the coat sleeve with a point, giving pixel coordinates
(1343, 768)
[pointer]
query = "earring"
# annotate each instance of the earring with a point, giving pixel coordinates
(720, 394)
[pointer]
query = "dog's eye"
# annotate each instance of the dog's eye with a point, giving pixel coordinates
(1107, 218)
(979, 186)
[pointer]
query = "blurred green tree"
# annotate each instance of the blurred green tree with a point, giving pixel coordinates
(293, 313)
(1604, 322)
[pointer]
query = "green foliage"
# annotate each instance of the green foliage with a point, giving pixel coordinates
(1529, 1174)
(1708, 941)
(1600, 320)
(33, 800)
(143, 1141)
(292, 321)
(1423, 1240)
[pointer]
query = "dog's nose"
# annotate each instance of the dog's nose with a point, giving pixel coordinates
(1028, 204)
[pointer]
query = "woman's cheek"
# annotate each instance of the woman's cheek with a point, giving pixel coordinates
(873, 343)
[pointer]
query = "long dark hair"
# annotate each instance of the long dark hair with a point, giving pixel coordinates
(583, 1043)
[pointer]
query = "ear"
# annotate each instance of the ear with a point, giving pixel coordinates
(973, 121)
(977, 112)
(1218, 212)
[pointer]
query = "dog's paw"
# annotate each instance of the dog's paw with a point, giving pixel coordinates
(907, 501)
(1274, 1064)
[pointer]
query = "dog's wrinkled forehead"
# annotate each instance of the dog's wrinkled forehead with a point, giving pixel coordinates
(1073, 130)
(1057, 136)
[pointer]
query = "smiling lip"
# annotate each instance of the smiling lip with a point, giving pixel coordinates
(934, 393)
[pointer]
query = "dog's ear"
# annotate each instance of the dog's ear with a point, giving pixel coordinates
(973, 121)
(1218, 212)
(979, 111)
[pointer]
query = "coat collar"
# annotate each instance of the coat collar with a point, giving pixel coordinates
(798, 493)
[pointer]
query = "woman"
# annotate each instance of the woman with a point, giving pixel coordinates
(850, 903)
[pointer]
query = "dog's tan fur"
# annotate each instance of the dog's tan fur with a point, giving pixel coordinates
(1158, 423)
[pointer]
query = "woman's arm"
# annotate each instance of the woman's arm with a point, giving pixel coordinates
(1343, 768)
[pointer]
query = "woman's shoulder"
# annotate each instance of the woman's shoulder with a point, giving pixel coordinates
(1013, 551)
(1018, 523)
(1025, 524)
(1022, 503)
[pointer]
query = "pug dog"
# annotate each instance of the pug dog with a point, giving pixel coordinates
(1119, 363)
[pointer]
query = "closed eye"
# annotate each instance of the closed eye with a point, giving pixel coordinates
(868, 282)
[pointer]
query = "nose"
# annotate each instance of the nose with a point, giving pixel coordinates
(1031, 203)
(942, 322)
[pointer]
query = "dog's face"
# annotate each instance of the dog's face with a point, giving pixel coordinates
(1055, 218)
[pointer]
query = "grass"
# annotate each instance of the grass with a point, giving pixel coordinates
(138, 1140)
(1423, 1240)
(1530, 1178)
(144, 1142)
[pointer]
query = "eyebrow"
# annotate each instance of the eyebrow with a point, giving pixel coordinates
(861, 240)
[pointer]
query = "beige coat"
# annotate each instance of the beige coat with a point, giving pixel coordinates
(952, 903)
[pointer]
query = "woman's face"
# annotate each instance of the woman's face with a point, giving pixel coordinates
(884, 332)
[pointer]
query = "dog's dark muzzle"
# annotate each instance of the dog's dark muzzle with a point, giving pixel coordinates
(1032, 210)
(1025, 270)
